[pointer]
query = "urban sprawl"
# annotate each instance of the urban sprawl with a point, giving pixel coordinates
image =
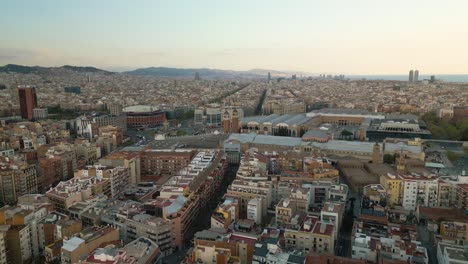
(99, 167)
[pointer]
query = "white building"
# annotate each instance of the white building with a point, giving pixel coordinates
(3, 252)
(40, 113)
(338, 193)
(419, 190)
(452, 254)
(254, 210)
(368, 248)
(332, 213)
(214, 116)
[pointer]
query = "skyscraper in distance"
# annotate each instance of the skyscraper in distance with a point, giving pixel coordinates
(269, 76)
(416, 75)
(411, 77)
(27, 100)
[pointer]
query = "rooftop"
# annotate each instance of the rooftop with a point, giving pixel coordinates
(72, 244)
(334, 145)
(140, 109)
(448, 214)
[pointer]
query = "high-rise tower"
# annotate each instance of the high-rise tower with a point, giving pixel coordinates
(27, 100)
(411, 77)
(416, 75)
(226, 122)
(235, 121)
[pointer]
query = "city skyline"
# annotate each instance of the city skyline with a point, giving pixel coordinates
(362, 37)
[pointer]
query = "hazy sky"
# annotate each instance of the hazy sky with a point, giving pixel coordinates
(323, 36)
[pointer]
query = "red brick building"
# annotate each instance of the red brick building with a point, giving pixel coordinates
(27, 100)
(142, 116)
(157, 163)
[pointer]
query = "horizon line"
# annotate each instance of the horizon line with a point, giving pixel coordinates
(130, 68)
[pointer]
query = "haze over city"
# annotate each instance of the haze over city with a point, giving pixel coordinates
(338, 37)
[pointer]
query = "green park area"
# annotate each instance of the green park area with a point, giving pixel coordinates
(446, 129)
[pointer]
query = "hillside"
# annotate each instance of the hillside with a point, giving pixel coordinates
(13, 68)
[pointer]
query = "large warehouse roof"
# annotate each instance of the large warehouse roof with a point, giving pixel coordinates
(342, 145)
(275, 119)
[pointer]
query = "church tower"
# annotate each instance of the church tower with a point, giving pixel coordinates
(401, 164)
(376, 154)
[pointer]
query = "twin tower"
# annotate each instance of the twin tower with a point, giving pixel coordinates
(413, 76)
(231, 121)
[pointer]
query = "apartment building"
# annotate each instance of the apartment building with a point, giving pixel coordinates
(254, 210)
(419, 190)
(226, 213)
(18, 243)
(285, 209)
(183, 195)
(450, 253)
(89, 125)
(155, 228)
(319, 193)
(113, 132)
(308, 234)
(88, 151)
(247, 190)
(182, 213)
(88, 240)
(62, 230)
(17, 178)
(144, 251)
(338, 193)
(393, 185)
(374, 249)
(29, 217)
(118, 177)
(74, 190)
(110, 254)
(47, 229)
(163, 162)
(332, 213)
(223, 247)
(130, 160)
(57, 164)
(462, 196)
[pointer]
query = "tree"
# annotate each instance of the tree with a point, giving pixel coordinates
(453, 132)
(452, 156)
(446, 129)
(389, 159)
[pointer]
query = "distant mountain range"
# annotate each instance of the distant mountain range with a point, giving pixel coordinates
(204, 73)
(13, 68)
(167, 72)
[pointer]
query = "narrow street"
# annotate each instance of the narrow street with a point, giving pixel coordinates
(425, 236)
(343, 245)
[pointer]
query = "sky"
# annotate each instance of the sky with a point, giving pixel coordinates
(313, 36)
